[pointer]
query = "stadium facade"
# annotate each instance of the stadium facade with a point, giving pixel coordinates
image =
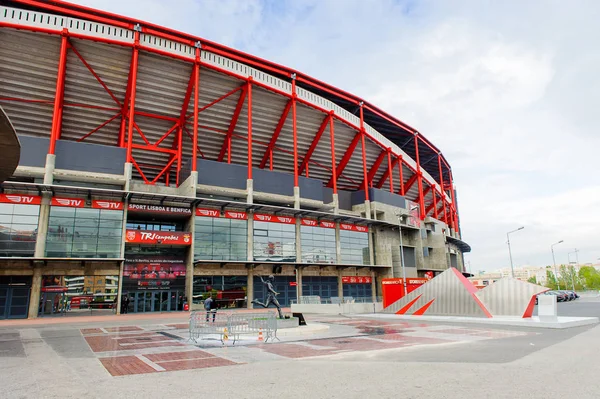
(166, 167)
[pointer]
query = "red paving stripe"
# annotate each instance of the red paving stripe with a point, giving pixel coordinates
(144, 340)
(181, 326)
(126, 365)
(122, 329)
(196, 364)
(107, 344)
(170, 356)
(86, 331)
(295, 351)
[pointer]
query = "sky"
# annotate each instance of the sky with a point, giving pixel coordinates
(507, 90)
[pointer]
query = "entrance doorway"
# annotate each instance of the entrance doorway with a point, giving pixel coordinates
(156, 301)
(14, 296)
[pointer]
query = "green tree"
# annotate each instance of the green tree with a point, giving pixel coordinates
(532, 280)
(551, 280)
(589, 277)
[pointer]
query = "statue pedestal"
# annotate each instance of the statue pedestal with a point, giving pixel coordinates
(288, 323)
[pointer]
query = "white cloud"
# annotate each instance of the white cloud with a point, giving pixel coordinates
(507, 90)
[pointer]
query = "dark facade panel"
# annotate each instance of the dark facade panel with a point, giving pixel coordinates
(345, 199)
(220, 174)
(377, 195)
(310, 188)
(33, 151)
(410, 259)
(266, 181)
(88, 157)
(327, 195)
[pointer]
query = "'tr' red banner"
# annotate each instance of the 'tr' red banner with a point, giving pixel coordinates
(158, 237)
(104, 204)
(20, 199)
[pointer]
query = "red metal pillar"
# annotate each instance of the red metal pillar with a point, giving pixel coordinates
(333, 161)
(294, 130)
(134, 68)
(442, 187)
(364, 153)
(196, 105)
(391, 177)
(420, 181)
(435, 208)
(455, 208)
(249, 94)
(59, 94)
(401, 173)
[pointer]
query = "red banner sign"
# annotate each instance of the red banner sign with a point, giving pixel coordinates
(70, 202)
(398, 281)
(158, 209)
(352, 227)
(314, 223)
(104, 204)
(293, 284)
(20, 199)
(274, 219)
(158, 237)
(215, 213)
(356, 280)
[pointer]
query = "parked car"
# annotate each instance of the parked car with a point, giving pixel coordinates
(560, 296)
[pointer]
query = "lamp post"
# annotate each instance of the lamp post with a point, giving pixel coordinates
(554, 263)
(576, 252)
(512, 269)
(402, 246)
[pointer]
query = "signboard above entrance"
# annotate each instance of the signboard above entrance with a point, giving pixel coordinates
(356, 280)
(158, 237)
(158, 209)
(215, 213)
(20, 199)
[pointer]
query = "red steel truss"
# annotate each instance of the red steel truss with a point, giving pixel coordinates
(126, 110)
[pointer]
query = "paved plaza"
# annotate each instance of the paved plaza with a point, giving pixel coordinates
(344, 357)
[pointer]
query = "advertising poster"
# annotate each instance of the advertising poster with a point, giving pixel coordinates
(153, 272)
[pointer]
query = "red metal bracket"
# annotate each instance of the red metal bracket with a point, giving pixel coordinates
(313, 144)
(269, 151)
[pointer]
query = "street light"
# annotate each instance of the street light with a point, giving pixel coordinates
(402, 246)
(576, 252)
(554, 263)
(512, 269)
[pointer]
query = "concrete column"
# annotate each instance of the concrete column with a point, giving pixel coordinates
(49, 169)
(122, 253)
(368, 209)
(296, 197)
(42, 231)
(250, 236)
(338, 245)
(128, 174)
(189, 186)
(373, 285)
(299, 282)
(371, 247)
(250, 288)
(249, 191)
(189, 261)
(336, 204)
(36, 286)
(340, 284)
(298, 241)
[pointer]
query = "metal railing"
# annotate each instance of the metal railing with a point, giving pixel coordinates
(223, 326)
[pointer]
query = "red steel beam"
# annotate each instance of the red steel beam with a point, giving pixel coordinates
(196, 105)
(435, 208)
(295, 130)
(364, 154)
(420, 180)
(455, 208)
(269, 151)
(410, 182)
(374, 168)
(99, 127)
(134, 69)
(249, 128)
(442, 188)
(332, 141)
(313, 144)
(345, 159)
(125, 106)
(385, 176)
(401, 174)
(226, 146)
(390, 169)
(432, 205)
(59, 94)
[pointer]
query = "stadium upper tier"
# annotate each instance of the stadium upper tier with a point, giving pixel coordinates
(73, 73)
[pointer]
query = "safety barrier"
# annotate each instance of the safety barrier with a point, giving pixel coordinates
(225, 326)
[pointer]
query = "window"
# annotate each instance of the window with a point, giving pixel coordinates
(227, 291)
(221, 239)
(18, 229)
(84, 233)
(274, 242)
(318, 244)
(425, 251)
(355, 247)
